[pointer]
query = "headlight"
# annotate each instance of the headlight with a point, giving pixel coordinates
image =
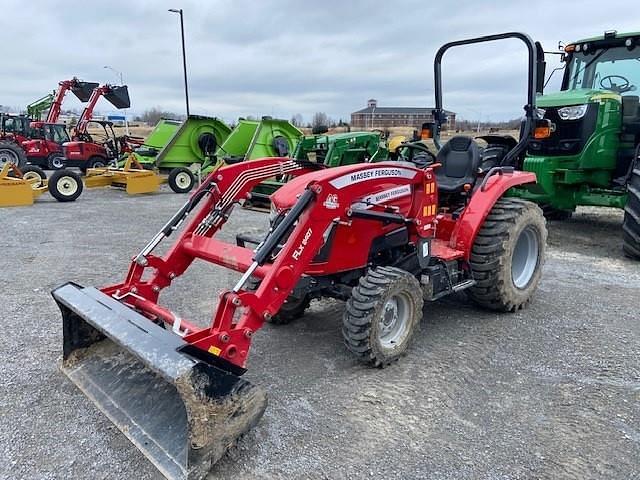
(540, 113)
(575, 112)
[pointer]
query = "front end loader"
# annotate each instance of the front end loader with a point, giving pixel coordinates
(384, 237)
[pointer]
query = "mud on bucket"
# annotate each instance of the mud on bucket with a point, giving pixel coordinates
(181, 412)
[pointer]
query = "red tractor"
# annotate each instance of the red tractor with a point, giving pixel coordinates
(384, 237)
(97, 149)
(14, 129)
(44, 145)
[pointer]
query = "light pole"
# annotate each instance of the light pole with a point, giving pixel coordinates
(119, 74)
(184, 57)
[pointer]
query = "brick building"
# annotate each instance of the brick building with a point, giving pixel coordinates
(386, 117)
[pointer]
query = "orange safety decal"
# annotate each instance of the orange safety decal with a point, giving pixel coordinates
(429, 187)
(428, 210)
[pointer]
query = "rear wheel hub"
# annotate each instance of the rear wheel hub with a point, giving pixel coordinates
(525, 257)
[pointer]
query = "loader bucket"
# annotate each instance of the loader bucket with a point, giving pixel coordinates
(181, 412)
(83, 90)
(118, 96)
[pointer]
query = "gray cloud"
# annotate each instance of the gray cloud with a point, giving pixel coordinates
(285, 57)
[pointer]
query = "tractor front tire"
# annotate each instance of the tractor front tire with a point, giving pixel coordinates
(65, 185)
(382, 315)
(291, 310)
(55, 161)
(12, 153)
(631, 223)
(181, 180)
(35, 174)
(507, 255)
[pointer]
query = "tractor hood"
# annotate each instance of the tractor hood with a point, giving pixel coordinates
(574, 97)
(287, 195)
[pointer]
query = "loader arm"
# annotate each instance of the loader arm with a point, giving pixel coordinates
(79, 88)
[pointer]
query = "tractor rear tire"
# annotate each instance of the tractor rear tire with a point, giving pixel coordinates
(507, 255)
(33, 172)
(11, 152)
(181, 180)
(291, 310)
(97, 162)
(65, 185)
(382, 315)
(631, 223)
(55, 161)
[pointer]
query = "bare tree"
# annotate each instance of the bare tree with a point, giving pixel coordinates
(153, 115)
(297, 120)
(320, 119)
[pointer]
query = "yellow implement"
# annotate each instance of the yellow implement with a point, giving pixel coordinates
(16, 191)
(132, 177)
(19, 187)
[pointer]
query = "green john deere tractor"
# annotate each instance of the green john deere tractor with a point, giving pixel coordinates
(326, 151)
(590, 152)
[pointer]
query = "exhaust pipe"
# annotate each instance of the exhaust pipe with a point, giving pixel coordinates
(182, 412)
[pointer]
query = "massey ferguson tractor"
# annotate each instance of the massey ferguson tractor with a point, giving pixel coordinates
(88, 150)
(43, 148)
(383, 237)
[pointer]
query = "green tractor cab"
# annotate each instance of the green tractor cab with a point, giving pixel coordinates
(590, 155)
(325, 151)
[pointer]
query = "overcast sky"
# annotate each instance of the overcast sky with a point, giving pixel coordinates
(281, 57)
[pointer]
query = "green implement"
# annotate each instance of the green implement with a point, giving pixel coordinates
(252, 139)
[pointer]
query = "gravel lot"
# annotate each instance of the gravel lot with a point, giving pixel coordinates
(550, 392)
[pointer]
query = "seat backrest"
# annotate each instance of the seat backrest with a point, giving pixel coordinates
(460, 157)
(630, 108)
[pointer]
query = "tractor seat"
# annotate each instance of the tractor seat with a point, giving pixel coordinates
(460, 159)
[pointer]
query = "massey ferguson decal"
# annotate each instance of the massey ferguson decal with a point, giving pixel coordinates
(371, 174)
(383, 197)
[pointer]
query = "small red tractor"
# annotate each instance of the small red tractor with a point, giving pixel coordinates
(384, 237)
(14, 129)
(44, 145)
(85, 151)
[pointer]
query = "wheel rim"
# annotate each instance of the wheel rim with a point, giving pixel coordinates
(183, 180)
(525, 257)
(57, 162)
(8, 156)
(394, 321)
(67, 186)
(34, 178)
(98, 164)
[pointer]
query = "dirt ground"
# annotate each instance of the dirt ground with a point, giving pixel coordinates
(551, 392)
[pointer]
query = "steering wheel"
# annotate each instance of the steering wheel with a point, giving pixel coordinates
(417, 153)
(613, 86)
